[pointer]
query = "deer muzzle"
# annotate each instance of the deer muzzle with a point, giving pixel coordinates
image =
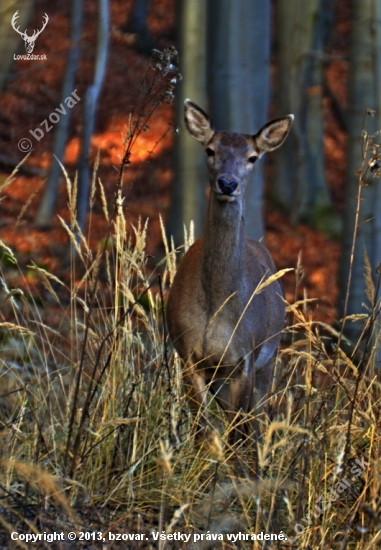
(227, 189)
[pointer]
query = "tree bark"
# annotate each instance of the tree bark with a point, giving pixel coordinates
(299, 183)
(45, 210)
(364, 92)
(188, 188)
(91, 101)
(137, 25)
(238, 61)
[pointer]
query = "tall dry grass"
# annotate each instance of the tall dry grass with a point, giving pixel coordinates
(96, 434)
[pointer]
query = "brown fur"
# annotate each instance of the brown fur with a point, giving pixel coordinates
(225, 333)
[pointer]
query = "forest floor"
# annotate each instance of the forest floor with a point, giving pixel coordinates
(34, 91)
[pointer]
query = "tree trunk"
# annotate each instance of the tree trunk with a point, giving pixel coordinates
(364, 92)
(239, 81)
(299, 183)
(91, 101)
(137, 25)
(45, 210)
(188, 188)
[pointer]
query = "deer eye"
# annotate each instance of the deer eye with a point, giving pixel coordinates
(252, 159)
(210, 152)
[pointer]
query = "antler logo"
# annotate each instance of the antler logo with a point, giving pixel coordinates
(29, 40)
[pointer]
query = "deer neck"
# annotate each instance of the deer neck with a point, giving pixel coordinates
(224, 253)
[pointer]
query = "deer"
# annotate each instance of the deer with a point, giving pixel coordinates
(30, 41)
(225, 330)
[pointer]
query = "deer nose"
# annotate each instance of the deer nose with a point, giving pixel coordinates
(227, 187)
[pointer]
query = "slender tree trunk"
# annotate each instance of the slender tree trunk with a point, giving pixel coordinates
(299, 184)
(137, 25)
(364, 92)
(376, 34)
(138, 19)
(45, 210)
(238, 61)
(91, 101)
(188, 188)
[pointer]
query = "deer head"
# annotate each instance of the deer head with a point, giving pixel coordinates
(29, 40)
(231, 156)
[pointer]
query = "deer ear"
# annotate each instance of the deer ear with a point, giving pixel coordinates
(273, 134)
(197, 121)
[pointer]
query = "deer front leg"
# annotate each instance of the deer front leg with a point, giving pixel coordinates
(261, 386)
(196, 392)
(240, 397)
